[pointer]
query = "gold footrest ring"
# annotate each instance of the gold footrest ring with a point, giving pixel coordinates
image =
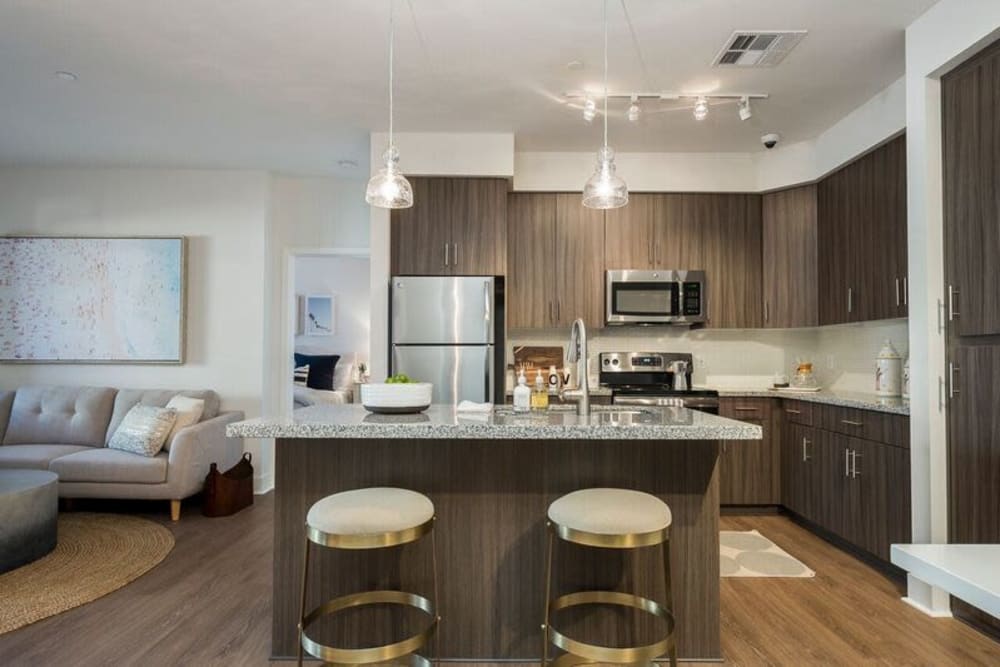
(596, 653)
(361, 656)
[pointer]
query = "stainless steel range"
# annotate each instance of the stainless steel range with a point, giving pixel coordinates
(654, 378)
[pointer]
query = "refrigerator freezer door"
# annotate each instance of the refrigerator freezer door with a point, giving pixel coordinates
(442, 310)
(459, 372)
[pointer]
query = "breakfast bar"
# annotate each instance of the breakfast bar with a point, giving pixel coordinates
(491, 477)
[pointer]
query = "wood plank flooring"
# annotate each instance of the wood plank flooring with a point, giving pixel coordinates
(209, 604)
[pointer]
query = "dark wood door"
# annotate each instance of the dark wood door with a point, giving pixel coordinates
(680, 231)
(531, 251)
(831, 502)
(971, 146)
(731, 231)
(836, 263)
(789, 258)
(629, 240)
(750, 469)
(478, 226)
(577, 269)
(420, 234)
(798, 468)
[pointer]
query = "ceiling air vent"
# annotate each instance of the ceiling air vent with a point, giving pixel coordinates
(757, 48)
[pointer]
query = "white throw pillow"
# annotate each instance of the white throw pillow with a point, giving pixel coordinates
(343, 376)
(189, 411)
(143, 430)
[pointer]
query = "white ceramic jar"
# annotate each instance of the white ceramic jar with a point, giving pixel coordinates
(888, 371)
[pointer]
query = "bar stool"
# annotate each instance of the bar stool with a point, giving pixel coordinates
(374, 518)
(609, 519)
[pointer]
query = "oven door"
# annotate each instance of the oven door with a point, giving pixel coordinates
(642, 297)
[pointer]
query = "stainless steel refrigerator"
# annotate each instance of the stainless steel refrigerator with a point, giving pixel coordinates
(449, 331)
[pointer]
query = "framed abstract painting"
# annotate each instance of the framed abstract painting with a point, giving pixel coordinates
(92, 300)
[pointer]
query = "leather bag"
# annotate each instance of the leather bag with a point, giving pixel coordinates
(228, 492)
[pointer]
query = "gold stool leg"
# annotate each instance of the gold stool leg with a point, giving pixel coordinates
(668, 592)
(437, 599)
(548, 592)
(302, 600)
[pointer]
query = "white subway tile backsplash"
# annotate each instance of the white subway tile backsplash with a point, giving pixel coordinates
(748, 358)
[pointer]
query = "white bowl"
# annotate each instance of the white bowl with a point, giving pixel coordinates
(384, 397)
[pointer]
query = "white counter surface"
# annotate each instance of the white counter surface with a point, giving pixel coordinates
(970, 572)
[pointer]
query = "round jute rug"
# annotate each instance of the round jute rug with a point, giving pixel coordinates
(96, 554)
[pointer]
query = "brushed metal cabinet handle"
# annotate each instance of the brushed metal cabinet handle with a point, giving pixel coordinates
(952, 313)
(805, 451)
(847, 463)
(454, 254)
(742, 409)
(897, 292)
(854, 464)
(767, 313)
(952, 389)
(851, 422)
(850, 299)
(446, 254)
(793, 412)
(906, 291)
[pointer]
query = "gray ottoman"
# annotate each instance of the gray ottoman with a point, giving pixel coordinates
(29, 508)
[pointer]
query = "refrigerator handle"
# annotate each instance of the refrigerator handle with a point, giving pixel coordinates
(486, 296)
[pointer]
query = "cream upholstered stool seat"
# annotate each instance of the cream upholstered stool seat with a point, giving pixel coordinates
(373, 518)
(610, 519)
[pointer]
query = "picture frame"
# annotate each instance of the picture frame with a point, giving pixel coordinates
(320, 315)
(55, 291)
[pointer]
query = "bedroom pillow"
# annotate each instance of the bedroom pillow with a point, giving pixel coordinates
(300, 375)
(143, 430)
(189, 411)
(320, 369)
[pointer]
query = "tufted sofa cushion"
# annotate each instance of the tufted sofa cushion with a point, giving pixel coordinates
(63, 415)
(128, 398)
(6, 401)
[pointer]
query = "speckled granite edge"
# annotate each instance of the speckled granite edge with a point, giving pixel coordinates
(439, 424)
(872, 402)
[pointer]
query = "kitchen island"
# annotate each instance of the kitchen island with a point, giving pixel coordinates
(491, 477)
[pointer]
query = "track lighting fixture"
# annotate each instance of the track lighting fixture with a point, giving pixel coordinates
(701, 108)
(745, 112)
(633, 110)
(589, 109)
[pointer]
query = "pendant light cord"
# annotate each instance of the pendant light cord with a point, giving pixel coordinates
(605, 73)
(392, 38)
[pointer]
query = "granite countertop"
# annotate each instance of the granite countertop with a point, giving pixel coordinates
(847, 399)
(443, 422)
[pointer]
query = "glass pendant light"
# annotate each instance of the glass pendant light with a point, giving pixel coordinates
(388, 188)
(605, 189)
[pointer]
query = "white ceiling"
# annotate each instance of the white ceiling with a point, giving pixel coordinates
(296, 85)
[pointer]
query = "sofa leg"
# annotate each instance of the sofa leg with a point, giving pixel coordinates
(175, 510)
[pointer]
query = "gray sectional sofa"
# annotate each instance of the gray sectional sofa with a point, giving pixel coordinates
(66, 430)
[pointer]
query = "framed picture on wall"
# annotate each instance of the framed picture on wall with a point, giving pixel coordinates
(320, 315)
(95, 300)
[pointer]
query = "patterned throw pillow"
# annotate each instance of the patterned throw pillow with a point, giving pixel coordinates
(144, 430)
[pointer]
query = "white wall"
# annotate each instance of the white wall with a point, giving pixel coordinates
(222, 213)
(347, 279)
(946, 35)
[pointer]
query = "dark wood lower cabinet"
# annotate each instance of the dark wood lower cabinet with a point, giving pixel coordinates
(749, 472)
(855, 488)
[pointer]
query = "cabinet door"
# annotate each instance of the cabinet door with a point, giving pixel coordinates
(629, 241)
(895, 233)
(679, 230)
(732, 235)
(578, 266)
(831, 481)
(793, 460)
(531, 251)
(789, 258)
(420, 234)
(971, 147)
(749, 473)
(867, 512)
(834, 249)
(479, 226)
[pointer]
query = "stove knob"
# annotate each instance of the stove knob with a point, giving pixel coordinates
(607, 361)
(615, 362)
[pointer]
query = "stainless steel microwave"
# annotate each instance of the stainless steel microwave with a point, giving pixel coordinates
(656, 297)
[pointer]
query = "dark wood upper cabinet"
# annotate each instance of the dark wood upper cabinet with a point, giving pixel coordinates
(555, 261)
(730, 229)
(531, 247)
(861, 214)
(630, 234)
(971, 148)
(789, 258)
(456, 226)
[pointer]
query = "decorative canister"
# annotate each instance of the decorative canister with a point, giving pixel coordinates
(888, 371)
(906, 377)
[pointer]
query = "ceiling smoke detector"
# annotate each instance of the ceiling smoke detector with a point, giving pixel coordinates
(757, 48)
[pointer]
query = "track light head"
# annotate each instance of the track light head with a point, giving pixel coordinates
(745, 111)
(634, 110)
(701, 109)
